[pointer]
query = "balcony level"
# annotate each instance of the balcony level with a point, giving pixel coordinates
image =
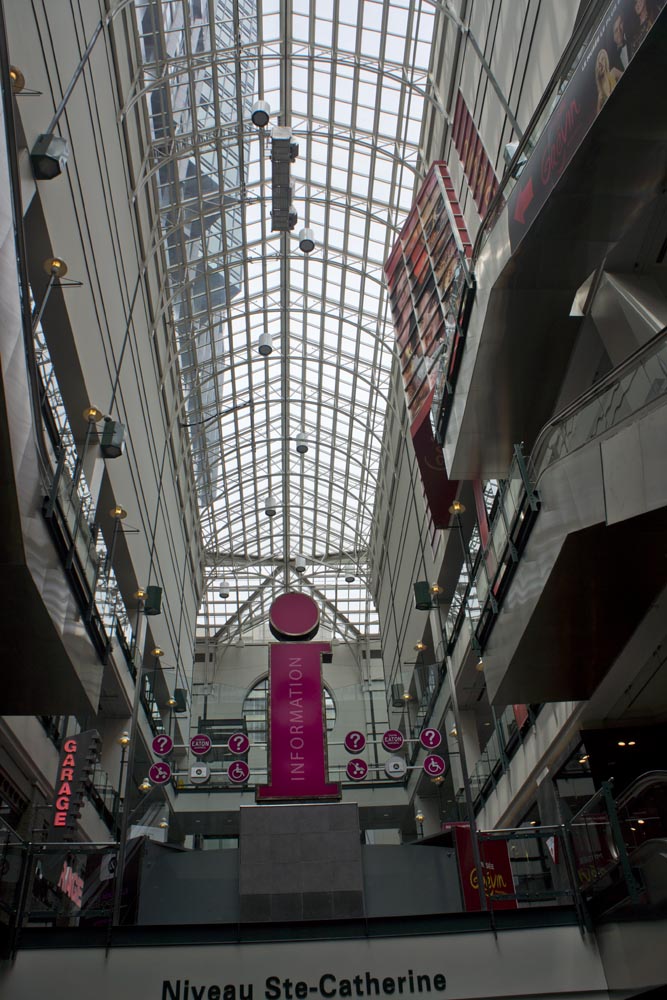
(549, 239)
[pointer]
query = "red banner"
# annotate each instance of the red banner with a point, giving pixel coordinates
(297, 748)
(496, 866)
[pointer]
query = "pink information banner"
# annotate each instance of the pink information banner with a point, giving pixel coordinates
(297, 748)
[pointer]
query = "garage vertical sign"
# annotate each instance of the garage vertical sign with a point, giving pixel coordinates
(77, 757)
(297, 739)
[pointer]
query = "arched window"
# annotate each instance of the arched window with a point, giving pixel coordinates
(255, 710)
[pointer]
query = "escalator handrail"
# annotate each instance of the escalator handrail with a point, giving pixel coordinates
(652, 346)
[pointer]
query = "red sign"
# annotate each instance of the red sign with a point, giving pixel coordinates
(200, 744)
(159, 773)
(392, 740)
(162, 745)
(238, 772)
(478, 168)
(430, 739)
(297, 743)
(76, 761)
(496, 867)
(434, 765)
(354, 741)
(238, 743)
(357, 769)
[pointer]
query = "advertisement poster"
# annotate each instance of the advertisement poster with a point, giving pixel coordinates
(619, 36)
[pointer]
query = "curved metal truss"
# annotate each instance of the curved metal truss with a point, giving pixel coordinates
(351, 79)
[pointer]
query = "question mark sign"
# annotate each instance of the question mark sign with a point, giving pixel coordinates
(162, 745)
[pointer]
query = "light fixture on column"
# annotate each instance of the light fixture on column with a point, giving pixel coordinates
(55, 266)
(480, 664)
(17, 79)
(141, 594)
(145, 785)
(49, 156)
(436, 589)
(306, 240)
(271, 506)
(420, 646)
(457, 508)
(118, 513)
(92, 415)
(157, 651)
(124, 739)
(261, 112)
(164, 823)
(223, 591)
(301, 443)
(300, 563)
(171, 701)
(265, 345)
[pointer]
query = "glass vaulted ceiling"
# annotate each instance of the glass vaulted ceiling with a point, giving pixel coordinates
(349, 77)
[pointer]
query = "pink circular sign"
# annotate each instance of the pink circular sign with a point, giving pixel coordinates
(434, 765)
(162, 745)
(392, 740)
(357, 769)
(159, 773)
(430, 739)
(238, 772)
(354, 741)
(294, 617)
(200, 744)
(238, 743)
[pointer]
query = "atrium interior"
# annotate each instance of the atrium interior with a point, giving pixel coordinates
(357, 309)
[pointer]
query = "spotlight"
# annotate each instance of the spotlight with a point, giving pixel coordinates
(265, 344)
(271, 506)
(307, 240)
(49, 156)
(261, 112)
(301, 443)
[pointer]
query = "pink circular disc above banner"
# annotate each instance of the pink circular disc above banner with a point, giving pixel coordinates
(159, 773)
(294, 617)
(200, 744)
(392, 740)
(357, 769)
(238, 743)
(238, 772)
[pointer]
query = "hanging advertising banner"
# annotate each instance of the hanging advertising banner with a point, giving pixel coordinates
(622, 29)
(297, 732)
(77, 757)
(477, 166)
(496, 867)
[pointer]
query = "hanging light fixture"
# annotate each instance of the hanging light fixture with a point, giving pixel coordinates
(223, 592)
(349, 578)
(271, 505)
(306, 240)
(260, 114)
(301, 443)
(300, 563)
(265, 344)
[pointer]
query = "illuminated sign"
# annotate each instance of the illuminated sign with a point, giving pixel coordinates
(77, 757)
(297, 742)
